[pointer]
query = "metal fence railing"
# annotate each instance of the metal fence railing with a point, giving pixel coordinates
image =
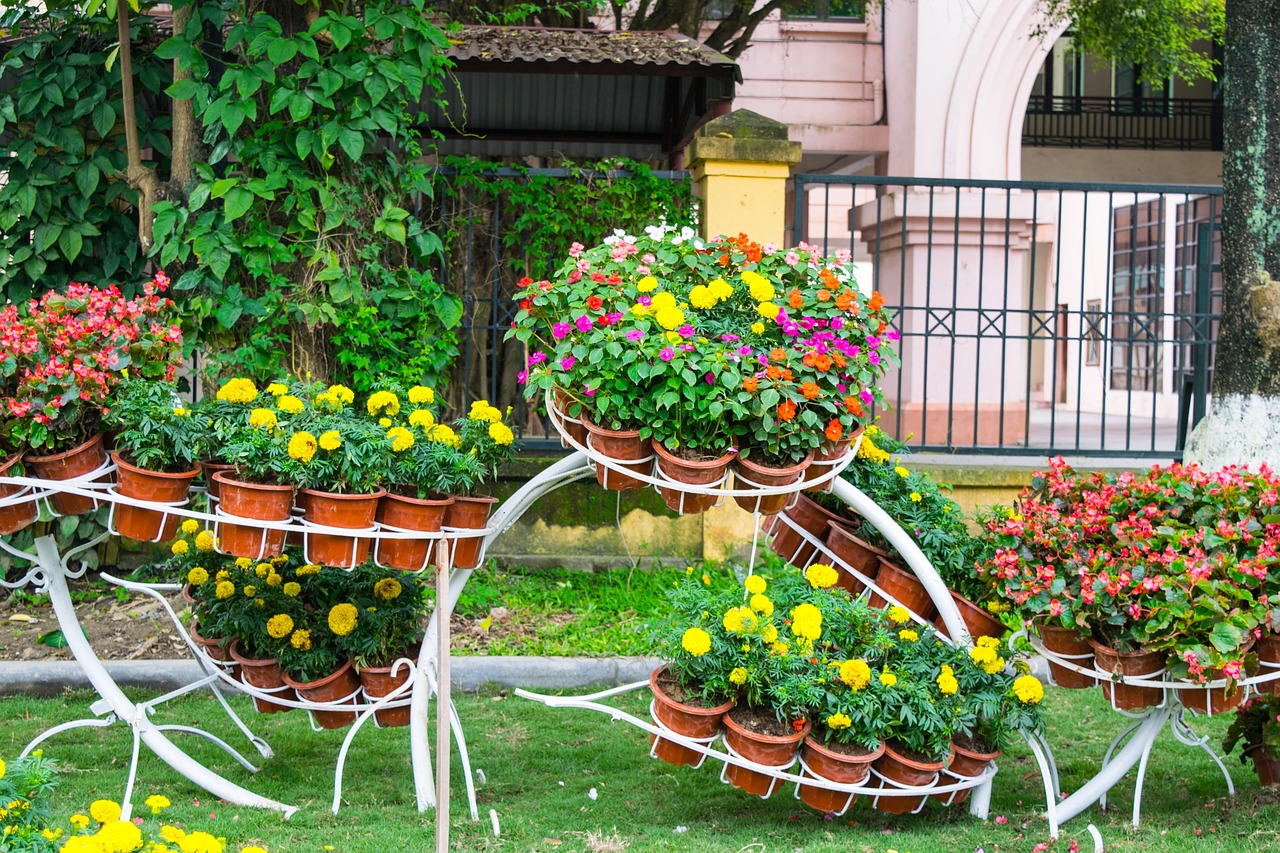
(1035, 318)
(1181, 124)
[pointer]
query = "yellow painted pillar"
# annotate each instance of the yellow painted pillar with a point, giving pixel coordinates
(740, 164)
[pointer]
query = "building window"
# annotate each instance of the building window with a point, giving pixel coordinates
(1137, 297)
(1191, 215)
(1060, 83)
(826, 10)
(1094, 333)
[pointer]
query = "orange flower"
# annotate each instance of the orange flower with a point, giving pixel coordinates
(839, 360)
(773, 372)
(787, 374)
(724, 260)
(809, 359)
(877, 301)
(834, 430)
(822, 362)
(750, 384)
(843, 301)
(824, 295)
(787, 410)
(795, 299)
(778, 354)
(754, 254)
(810, 391)
(853, 405)
(880, 328)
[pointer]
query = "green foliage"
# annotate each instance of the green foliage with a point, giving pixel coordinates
(26, 787)
(153, 426)
(1256, 728)
(391, 604)
(65, 210)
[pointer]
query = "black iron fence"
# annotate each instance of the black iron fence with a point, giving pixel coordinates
(1181, 124)
(1036, 318)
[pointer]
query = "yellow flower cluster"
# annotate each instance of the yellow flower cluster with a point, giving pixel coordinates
(292, 589)
(342, 619)
(387, 589)
(666, 311)
(276, 389)
(280, 626)
(769, 633)
(901, 472)
(755, 584)
(888, 679)
(290, 404)
(422, 419)
(855, 674)
(104, 811)
(738, 675)
(262, 419)
(302, 447)
(444, 434)
(696, 642)
(761, 604)
(867, 449)
(984, 654)
(308, 569)
(1028, 689)
(947, 683)
(224, 590)
(197, 576)
(700, 297)
(761, 288)
(157, 803)
(189, 526)
(179, 548)
(401, 439)
(821, 576)
(330, 440)
(501, 434)
(205, 542)
(421, 394)
(838, 721)
(757, 327)
(899, 614)
(806, 621)
(301, 640)
(739, 619)
(768, 310)
(908, 635)
(238, 391)
(646, 284)
(482, 411)
(383, 403)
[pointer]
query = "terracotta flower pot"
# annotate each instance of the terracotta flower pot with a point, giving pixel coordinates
(209, 469)
(1072, 646)
(692, 721)
(859, 554)
(569, 425)
(827, 456)
(824, 762)
(966, 763)
(19, 516)
(897, 767)
(265, 674)
(806, 514)
(1266, 765)
(76, 462)
(905, 588)
(708, 473)
(624, 446)
(749, 474)
(1268, 651)
(1208, 701)
(340, 687)
(357, 512)
(977, 621)
(148, 525)
(401, 513)
(768, 750)
(218, 648)
(261, 501)
(468, 513)
(1138, 664)
(377, 682)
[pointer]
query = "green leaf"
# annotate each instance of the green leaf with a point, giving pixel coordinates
(222, 187)
(237, 203)
(104, 119)
(87, 178)
(70, 243)
(341, 290)
(448, 310)
(352, 141)
(1225, 637)
(53, 639)
(281, 51)
(184, 90)
(227, 315)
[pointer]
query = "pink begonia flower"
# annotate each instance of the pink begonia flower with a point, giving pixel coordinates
(567, 362)
(575, 250)
(584, 265)
(769, 249)
(635, 334)
(537, 358)
(1232, 669)
(522, 377)
(584, 323)
(867, 397)
(667, 354)
(791, 259)
(893, 334)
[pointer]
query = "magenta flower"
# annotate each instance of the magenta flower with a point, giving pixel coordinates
(685, 331)
(646, 301)
(635, 335)
(559, 330)
(614, 317)
(872, 342)
(867, 397)
(522, 377)
(874, 358)
(667, 354)
(687, 347)
(584, 323)
(710, 377)
(893, 334)
(567, 362)
(837, 323)
(729, 338)
(588, 390)
(537, 358)
(745, 350)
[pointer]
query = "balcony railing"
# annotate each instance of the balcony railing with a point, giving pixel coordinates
(1180, 124)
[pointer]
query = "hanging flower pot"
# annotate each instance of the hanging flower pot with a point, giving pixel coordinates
(766, 749)
(377, 682)
(900, 769)
(217, 648)
(148, 525)
(623, 446)
(76, 462)
(692, 721)
(468, 513)
(265, 674)
(208, 470)
(977, 621)
(749, 474)
(403, 513)
(1139, 664)
(830, 454)
(844, 763)
(810, 517)
(337, 688)
(19, 516)
(1268, 651)
(709, 473)
(858, 553)
(356, 512)
(1208, 701)
(1070, 645)
(260, 501)
(569, 425)
(905, 588)
(967, 762)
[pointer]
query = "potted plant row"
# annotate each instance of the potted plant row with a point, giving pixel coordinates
(790, 665)
(684, 359)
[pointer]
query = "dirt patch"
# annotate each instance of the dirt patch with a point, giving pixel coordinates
(477, 636)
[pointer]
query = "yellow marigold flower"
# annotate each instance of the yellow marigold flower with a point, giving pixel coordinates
(388, 589)
(768, 310)
(276, 389)
(991, 667)
(670, 318)
(171, 834)
(157, 803)
(899, 614)
(342, 619)
(888, 679)
(422, 419)
(720, 288)
(308, 569)
(982, 655)
(181, 412)
(262, 419)
(806, 621)
(330, 440)
(1028, 689)
(201, 842)
(908, 635)
(197, 576)
(761, 288)
(757, 327)
(988, 642)
(501, 434)
(821, 576)
(189, 526)
(302, 447)
(243, 562)
(696, 642)
(382, 403)
(343, 394)
(250, 591)
(738, 675)
(280, 625)
(401, 439)
(947, 684)
(780, 649)
(755, 584)
(224, 590)
(384, 422)
(274, 579)
(761, 604)
(444, 434)
(205, 541)
(646, 284)
(120, 835)
(301, 640)
(855, 674)
(769, 633)
(901, 472)
(739, 619)
(292, 588)
(838, 721)
(180, 547)
(79, 821)
(701, 297)
(290, 404)
(238, 391)
(420, 394)
(263, 569)
(104, 811)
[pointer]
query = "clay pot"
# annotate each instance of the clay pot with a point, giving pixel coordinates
(401, 513)
(808, 516)
(977, 621)
(768, 750)
(209, 469)
(265, 674)
(76, 462)
(749, 474)
(339, 688)
(261, 501)
(1070, 645)
(692, 721)
(377, 682)
(334, 510)
(1208, 701)
(905, 588)
(825, 763)
(859, 554)
(1268, 651)
(1266, 765)
(965, 764)
(148, 525)
(19, 516)
(569, 425)
(827, 456)
(468, 513)
(1139, 664)
(709, 473)
(622, 445)
(218, 648)
(907, 772)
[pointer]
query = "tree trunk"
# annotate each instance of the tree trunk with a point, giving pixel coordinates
(140, 177)
(186, 140)
(1243, 423)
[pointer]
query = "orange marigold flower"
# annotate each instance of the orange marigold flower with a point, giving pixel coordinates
(750, 384)
(843, 301)
(822, 362)
(839, 360)
(824, 295)
(810, 391)
(795, 299)
(854, 405)
(773, 372)
(809, 359)
(877, 301)
(834, 430)
(787, 374)
(778, 354)
(787, 410)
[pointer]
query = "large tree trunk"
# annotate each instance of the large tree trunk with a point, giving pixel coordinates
(1243, 423)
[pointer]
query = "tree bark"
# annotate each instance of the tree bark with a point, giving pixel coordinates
(185, 138)
(140, 177)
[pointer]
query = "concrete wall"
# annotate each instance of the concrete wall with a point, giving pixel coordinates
(1139, 167)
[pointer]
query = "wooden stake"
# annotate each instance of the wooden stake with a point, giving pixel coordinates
(443, 700)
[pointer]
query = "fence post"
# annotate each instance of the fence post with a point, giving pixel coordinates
(1203, 326)
(740, 164)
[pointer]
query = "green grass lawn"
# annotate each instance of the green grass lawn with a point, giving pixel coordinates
(541, 763)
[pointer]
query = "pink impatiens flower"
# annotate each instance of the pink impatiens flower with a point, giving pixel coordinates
(667, 354)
